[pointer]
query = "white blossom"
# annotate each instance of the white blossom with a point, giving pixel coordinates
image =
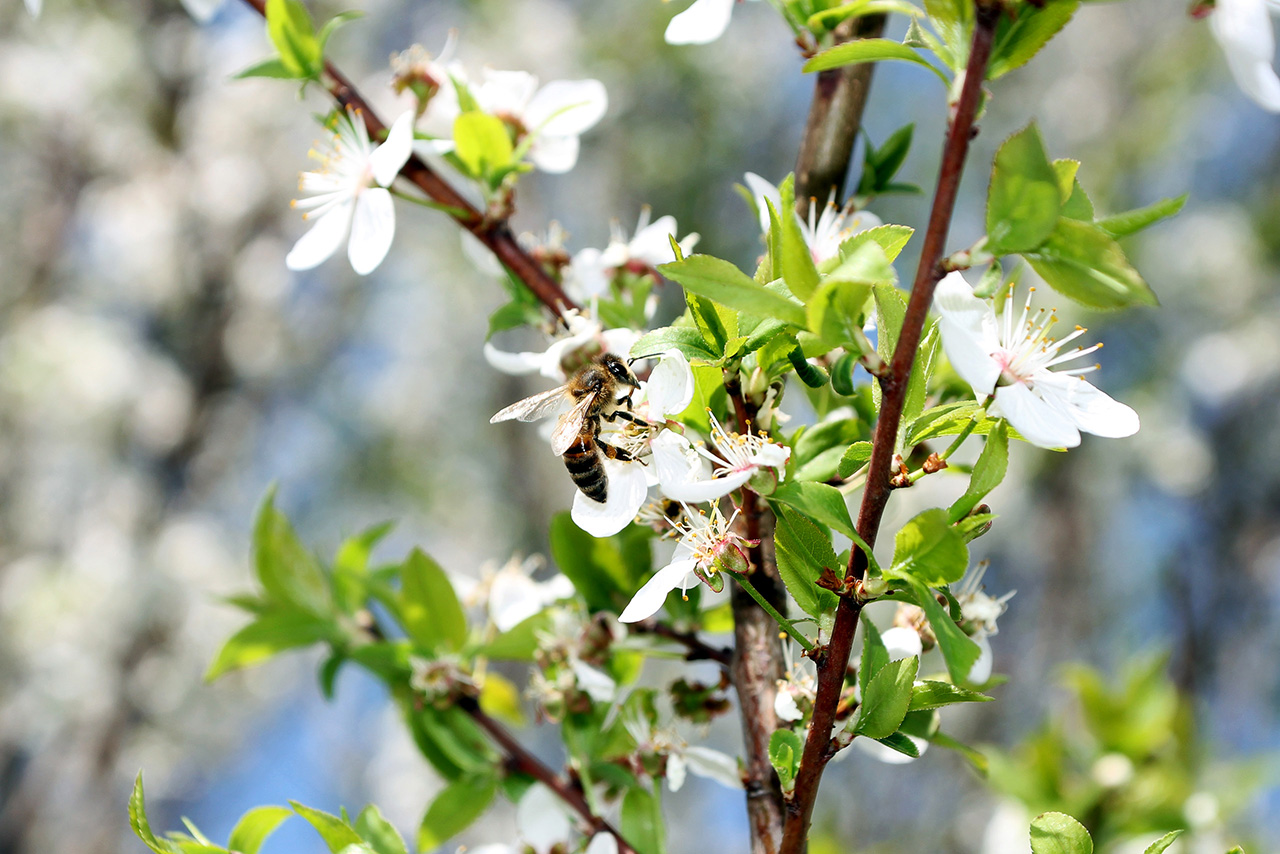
(739, 456)
(34, 6)
(1015, 361)
(514, 595)
(555, 114)
(541, 819)
(824, 233)
(980, 612)
(582, 333)
(591, 271)
(441, 75)
(705, 541)
(703, 22)
(347, 200)
(1244, 31)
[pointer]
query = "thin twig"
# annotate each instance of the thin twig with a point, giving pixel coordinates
(493, 233)
(520, 759)
(832, 666)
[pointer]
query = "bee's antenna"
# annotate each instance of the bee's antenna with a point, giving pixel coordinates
(635, 359)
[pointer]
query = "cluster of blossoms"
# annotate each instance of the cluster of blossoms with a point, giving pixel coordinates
(824, 233)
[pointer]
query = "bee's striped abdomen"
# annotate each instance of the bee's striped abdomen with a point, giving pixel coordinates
(585, 467)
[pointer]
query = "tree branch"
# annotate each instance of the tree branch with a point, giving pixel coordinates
(835, 117)
(520, 759)
(493, 233)
(893, 385)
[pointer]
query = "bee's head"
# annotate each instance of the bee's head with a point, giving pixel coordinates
(618, 369)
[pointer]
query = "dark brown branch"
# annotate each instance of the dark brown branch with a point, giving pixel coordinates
(696, 649)
(835, 116)
(493, 233)
(893, 385)
(521, 760)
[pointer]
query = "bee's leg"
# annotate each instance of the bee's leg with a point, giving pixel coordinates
(625, 415)
(613, 452)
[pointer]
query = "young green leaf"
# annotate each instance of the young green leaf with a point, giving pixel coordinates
(686, 339)
(269, 634)
(429, 606)
(1130, 222)
(958, 650)
(291, 30)
(891, 238)
(868, 50)
(1020, 37)
(836, 311)
(988, 471)
(336, 832)
(455, 808)
(874, 654)
(953, 21)
(273, 68)
(809, 373)
(707, 320)
(1058, 833)
(887, 699)
(855, 457)
(720, 281)
(482, 143)
(795, 260)
(287, 571)
(1023, 201)
(934, 695)
(331, 26)
(642, 824)
(785, 748)
(1081, 261)
(930, 550)
(141, 827)
(803, 550)
(255, 826)
(921, 372)
(879, 165)
(1159, 846)
(901, 743)
(818, 501)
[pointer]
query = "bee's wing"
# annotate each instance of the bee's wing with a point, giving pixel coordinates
(532, 408)
(570, 425)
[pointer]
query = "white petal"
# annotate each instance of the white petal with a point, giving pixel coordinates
(676, 462)
(389, 158)
(714, 765)
(627, 492)
(967, 325)
(1258, 80)
(566, 107)
(1243, 29)
(784, 706)
(652, 244)
(649, 599)
(201, 10)
(703, 22)
(586, 274)
(426, 148)
(1091, 409)
(541, 819)
(888, 755)
(762, 190)
(772, 456)
(597, 685)
(372, 229)
(602, 843)
(506, 91)
(619, 340)
(33, 6)
(676, 769)
(670, 386)
(1040, 422)
(981, 670)
(324, 238)
(901, 642)
(480, 255)
(516, 364)
(554, 154)
(697, 491)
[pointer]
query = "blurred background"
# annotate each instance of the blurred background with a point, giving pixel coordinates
(159, 368)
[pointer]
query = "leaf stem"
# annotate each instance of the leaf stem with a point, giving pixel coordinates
(965, 433)
(786, 625)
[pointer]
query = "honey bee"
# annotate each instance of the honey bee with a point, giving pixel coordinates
(591, 395)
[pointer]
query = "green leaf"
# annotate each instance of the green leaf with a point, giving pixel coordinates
(381, 834)
(887, 699)
(287, 571)
(901, 743)
(520, 642)
(921, 371)
(642, 822)
(273, 68)
(891, 238)
(482, 143)
(868, 50)
(455, 808)
(1020, 38)
(979, 761)
(1159, 846)
(720, 281)
(891, 308)
(291, 30)
(835, 311)
(1066, 170)
(1130, 222)
(255, 826)
(1023, 202)
(785, 748)
(929, 549)
(959, 651)
(331, 26)
(879, 165)
(351, 567)
(429, 606)
(271, 633)
(686, 339)
(795, 260)
(874, 654)
(934, 695)
(818, 501)
(707, 320)
(1058, 833)
(1081, 261)
(953, 20)
(141, 827)
(335, 832)
(803, 550)
(988, 471)
(855, 457)
(1078, 205)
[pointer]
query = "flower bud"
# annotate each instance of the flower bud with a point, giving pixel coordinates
(874, 588)
(712, 579)
(727, 557)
